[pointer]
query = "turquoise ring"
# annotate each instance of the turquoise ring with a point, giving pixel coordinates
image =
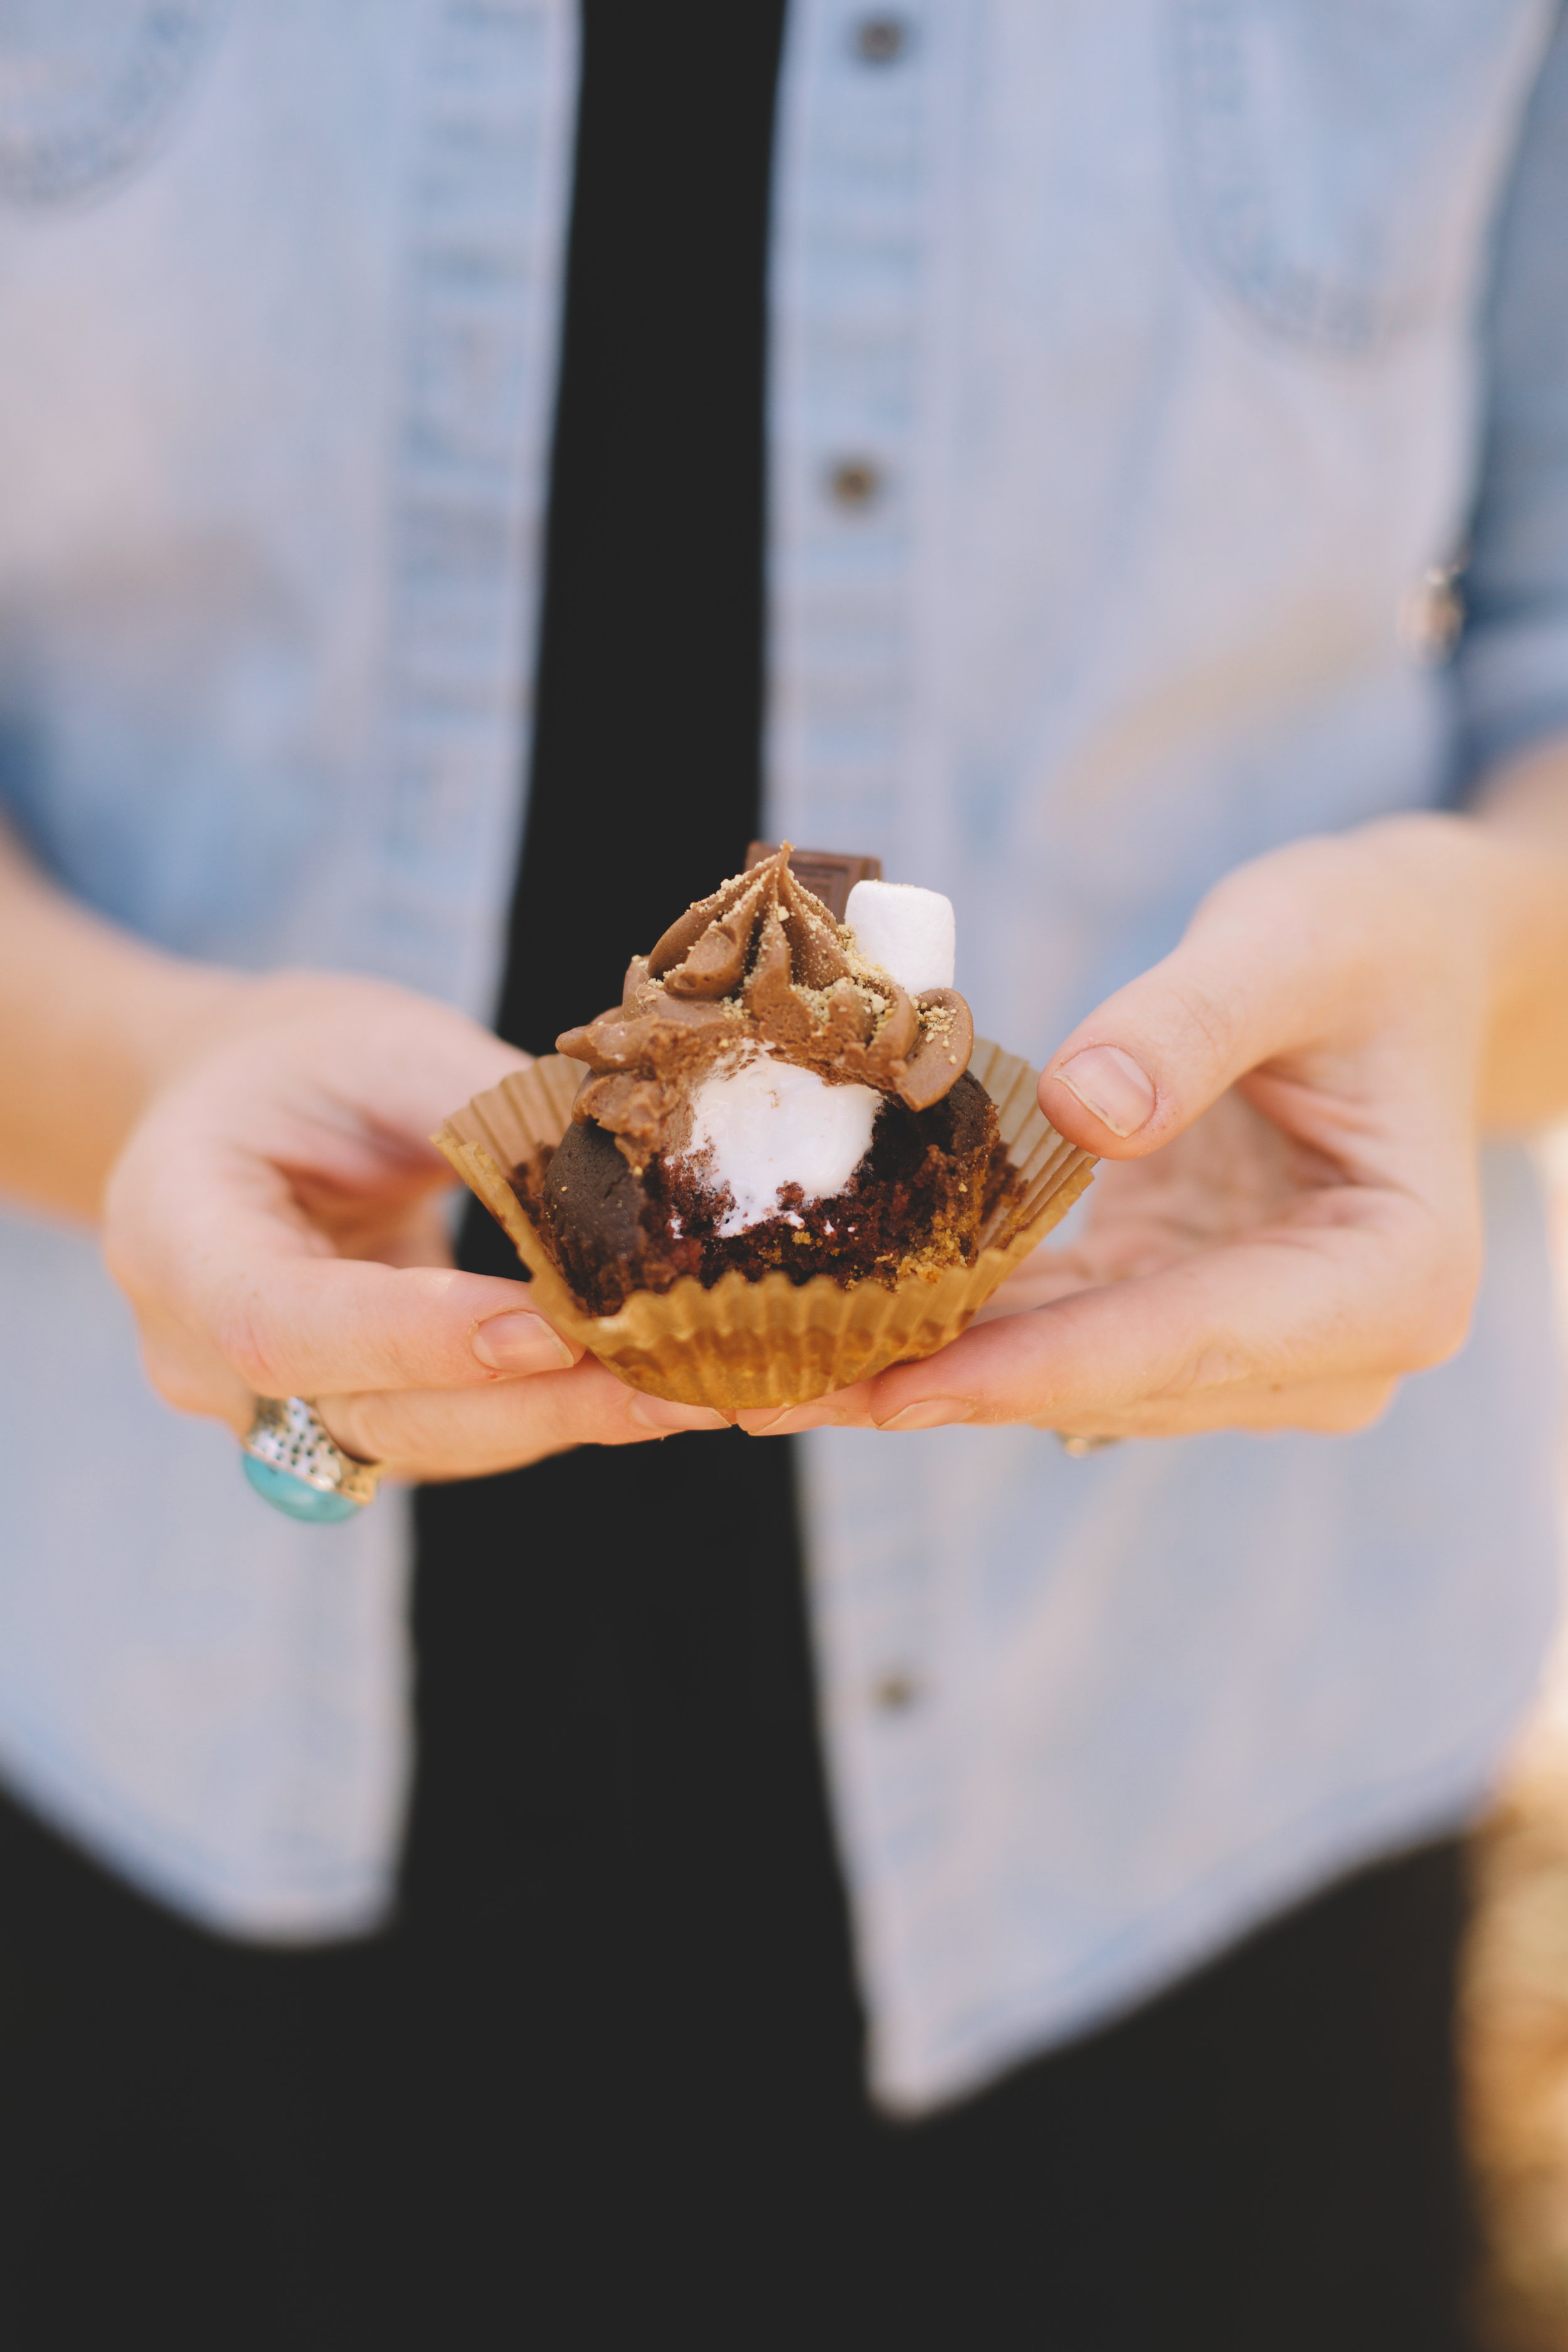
(294, 1463)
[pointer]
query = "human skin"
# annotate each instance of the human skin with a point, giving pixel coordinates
(1288, 1224)
(1291, 1223)
(257, 1153)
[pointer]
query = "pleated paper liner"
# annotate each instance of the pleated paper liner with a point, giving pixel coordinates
(774, 1342)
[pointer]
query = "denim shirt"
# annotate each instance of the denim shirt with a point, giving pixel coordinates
(1133, 366)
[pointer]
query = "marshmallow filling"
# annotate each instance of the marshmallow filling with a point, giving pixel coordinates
(763, 1124)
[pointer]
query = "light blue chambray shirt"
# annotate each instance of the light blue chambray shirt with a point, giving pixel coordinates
(1181, 338)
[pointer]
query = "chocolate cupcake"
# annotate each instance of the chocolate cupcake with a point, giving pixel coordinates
(784, 1162)
(766, 1098)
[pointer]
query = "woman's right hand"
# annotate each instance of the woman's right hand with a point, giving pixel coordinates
(276, 1219)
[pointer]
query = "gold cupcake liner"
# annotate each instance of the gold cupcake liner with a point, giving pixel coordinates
(770, 1343)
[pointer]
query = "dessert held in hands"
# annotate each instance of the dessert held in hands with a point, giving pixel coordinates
(776, 1091)
(783, 1161)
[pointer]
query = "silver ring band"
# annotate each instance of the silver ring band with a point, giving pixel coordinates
(290, 1435)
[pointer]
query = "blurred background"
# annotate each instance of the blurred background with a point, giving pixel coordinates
(1516, 2004)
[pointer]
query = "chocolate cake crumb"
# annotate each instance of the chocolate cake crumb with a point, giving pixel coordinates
(916, 1205)
(593, 1215)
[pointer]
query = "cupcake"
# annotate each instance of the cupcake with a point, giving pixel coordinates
(772, 1094)
(784, 1160)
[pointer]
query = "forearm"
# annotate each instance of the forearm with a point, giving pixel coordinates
(91, 1020)
(1522, 813)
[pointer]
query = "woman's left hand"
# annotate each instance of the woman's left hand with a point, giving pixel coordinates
(1287, 1218)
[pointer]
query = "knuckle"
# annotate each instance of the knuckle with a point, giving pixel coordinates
(362, 1427)
(1356, 1407)
(1212, 1364)
(1210, 1013)
(119, 1261)
(1443, 1301)
(1443, 1336)
(124, 1260)
(178, 1381)
(251, 1351)
(176, 1384)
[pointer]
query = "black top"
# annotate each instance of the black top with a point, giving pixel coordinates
(647, 758)
(620, 1850)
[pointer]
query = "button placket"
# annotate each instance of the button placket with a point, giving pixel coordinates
(848, 325)
(855, 483)
(472, 450)
(881, 39)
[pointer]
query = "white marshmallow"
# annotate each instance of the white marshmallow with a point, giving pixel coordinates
(768, 1123)
(908, 932)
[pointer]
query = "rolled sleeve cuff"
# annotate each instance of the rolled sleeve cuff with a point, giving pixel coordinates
(1512, 681)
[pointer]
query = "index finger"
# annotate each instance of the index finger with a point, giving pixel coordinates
(238, 1267)
(1215, 1340)
(314, 1326)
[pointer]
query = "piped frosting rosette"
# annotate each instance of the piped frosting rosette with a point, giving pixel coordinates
(761, 968)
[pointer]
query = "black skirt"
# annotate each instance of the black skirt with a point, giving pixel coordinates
(459, 2137)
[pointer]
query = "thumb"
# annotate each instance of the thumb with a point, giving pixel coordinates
(1239, 990)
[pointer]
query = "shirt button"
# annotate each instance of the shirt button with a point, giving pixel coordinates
(881, 40)
(895, 1693)
(856, 482)
(1430, 617)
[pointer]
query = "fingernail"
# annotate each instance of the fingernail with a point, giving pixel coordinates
(793, 1421)
(658, 1412)
(931, 1412)
(520, 1343)
(1109, 1082)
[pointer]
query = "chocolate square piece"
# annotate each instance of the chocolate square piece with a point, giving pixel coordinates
(828, 874)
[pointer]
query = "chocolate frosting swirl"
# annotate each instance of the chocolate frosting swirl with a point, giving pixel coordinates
(761, 964)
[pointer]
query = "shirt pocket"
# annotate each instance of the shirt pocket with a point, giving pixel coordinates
(90, 88)
(1337, 159)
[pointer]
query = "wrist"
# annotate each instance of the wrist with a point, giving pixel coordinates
(1496, 885)
(186, 1011)
(177, 1012)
